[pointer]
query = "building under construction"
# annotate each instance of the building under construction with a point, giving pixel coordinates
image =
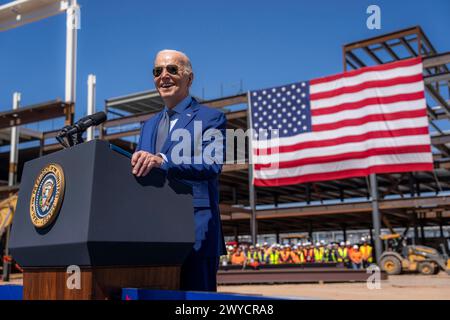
(411, 201)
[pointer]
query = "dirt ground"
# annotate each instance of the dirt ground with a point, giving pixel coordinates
(14, 279)
(401, 287)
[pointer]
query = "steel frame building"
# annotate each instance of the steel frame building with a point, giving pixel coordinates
(409, 200)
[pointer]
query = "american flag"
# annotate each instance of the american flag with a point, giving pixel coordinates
(370, 120)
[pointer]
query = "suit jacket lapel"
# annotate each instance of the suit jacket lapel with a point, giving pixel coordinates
(155, 133)
(183, 120)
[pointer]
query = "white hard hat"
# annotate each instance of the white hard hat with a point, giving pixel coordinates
(317, 244)
(342, 243)
(347, 243)
(355, 246)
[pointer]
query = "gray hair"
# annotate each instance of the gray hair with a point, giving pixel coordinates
(185, 59)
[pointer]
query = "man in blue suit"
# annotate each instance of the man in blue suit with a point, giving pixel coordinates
(173, 77)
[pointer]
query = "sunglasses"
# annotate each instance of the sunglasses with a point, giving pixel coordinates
(171, 68)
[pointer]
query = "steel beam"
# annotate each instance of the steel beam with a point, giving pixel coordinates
(346, 208)
(297, 274)
(436, 60)
(373, 55)
(408, 47)
(20, 12)
(390, 51)
(33, 113)
(226, 101)
(443, 76)
(382, 38)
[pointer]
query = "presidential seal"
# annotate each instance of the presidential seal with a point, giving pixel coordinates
(47, 195)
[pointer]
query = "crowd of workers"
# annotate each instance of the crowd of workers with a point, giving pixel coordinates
(351, 256)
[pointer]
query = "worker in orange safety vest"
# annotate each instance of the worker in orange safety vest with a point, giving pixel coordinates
(238, 258)
(356, 257)
(297, 254)
(366, 251)
(285, 254)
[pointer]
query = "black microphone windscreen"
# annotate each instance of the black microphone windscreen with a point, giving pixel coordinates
(98, 117)
(93, 119)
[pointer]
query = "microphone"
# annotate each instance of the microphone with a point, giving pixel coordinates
(84, 123)
(73, 133)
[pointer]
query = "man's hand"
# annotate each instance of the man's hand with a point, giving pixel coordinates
(142, 162)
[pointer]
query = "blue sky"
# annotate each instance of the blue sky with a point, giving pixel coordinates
(261, 43)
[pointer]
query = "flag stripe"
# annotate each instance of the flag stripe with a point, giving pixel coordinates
(342, 132)
(345, 165)
(352, 73)
(370, 118)
(367, 93)
(344, 148)
(343, 140)
(325, 176)
(364, 77)
(369, 101)
(367, 85)
(374, 109)
(345, 156)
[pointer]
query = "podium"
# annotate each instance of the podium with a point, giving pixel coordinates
(108, 229)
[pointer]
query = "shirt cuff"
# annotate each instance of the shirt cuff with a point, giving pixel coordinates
(165, 161)
(162, 155)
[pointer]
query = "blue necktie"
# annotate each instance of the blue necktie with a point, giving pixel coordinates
(163, 130)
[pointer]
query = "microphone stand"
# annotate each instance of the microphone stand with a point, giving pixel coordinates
(69, 140)
(69, 136)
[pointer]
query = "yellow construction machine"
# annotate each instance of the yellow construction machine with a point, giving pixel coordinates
(399, 257)
(7, 209)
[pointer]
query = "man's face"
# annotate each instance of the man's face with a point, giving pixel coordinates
(172, 87)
